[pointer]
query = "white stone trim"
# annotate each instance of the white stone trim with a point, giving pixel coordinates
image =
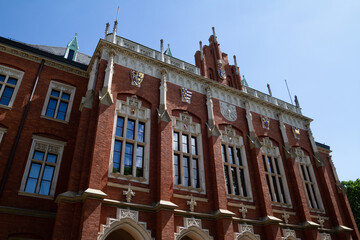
(132, 109)
(194, 130)
(62, 88)
(45, 144)
(246, 231)
(127, 220)
(289, 234)
(192, 228)
(10, 72)
(262, 104)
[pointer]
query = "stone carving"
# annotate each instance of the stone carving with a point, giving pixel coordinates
(246, 230)
(192, 222)
(192, 203)
(129, 194)
(321, 221)
(325, 236)
(228, 111)
(243, 210)
(126, 213)
(195, 226)
(265, 122)
(289, 233)
(286, 217)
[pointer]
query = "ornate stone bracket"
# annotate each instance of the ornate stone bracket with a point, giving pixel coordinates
(243, 210)
(129, 194)
(192, 203)
(289, 234)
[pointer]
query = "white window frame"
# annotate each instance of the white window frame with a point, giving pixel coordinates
(54, 85)
(268, 150)
(304, 160)
(185, 125)
(131, 109)
(2, 133)
(45, 145)
(230, 140)
(10, 72)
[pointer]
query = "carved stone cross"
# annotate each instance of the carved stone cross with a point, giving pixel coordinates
(192, 203)
(321, 221)
(243, 210)
(286, 217)
(129, 194)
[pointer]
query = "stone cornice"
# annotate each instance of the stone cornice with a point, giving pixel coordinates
(48, 61)
(203, 81)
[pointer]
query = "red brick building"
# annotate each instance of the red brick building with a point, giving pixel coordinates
(133, 143)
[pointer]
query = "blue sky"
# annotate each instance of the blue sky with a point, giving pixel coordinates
(314, 45)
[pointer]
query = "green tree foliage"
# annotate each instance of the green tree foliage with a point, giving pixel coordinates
(353, 194)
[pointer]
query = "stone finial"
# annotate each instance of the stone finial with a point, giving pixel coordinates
(269, 89)
(129, 194)
(215, 38)
(321, 221)
(192, 203)
(243, 210)
(297, 102)
(201, 51)
(107, 28)
(114, 31)
(236, 66)
(162, 49)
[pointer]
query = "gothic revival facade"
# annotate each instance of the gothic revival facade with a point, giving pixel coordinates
(132, 143)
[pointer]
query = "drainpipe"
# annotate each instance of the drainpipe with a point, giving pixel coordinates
(13, 149)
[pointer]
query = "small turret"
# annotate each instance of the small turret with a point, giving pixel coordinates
(72, 49)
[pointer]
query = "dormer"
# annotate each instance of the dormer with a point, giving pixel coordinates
(72, 49)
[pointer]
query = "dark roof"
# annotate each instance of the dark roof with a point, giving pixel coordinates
(56, 53)
(322, 145)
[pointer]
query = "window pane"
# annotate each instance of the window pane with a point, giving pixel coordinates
(55, 93)
(117, 156)
(270, 165)
(130, 129)
(6, 96)
(186, 171)
(308, 171)
(119, 126)
(46, 180)
(196, 173)
(51, 158)
(235, 182)
(238, 154)
(128, 159)
(141, 132)
(33, 177)
(265, 167)
(231, 155)
(50, 111)
(274, 179)
(309, 195)
(38, 155)
(176, 141)
(193, 146)
(269, 187)
(45, 187)
(62, 110)
(315, 198)
(243, 184)
(277, 166)
(223, 151)
(65, 96)
(227, 179)
(139, 161)
(282, 189)
(185, 143)
(303, 172)
(2, 78)
(12, 81)
(177, 169)
(48, 173)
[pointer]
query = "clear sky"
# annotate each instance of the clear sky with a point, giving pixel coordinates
(314, 45)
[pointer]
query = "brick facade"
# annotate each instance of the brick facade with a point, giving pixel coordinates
(90, 200)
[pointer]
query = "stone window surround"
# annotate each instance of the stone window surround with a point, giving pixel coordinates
(54, 85)
(267, 146)
(10, 72)
(304, 159)
(229, 138)
(50, 142)
(193, 129)
(125, 109)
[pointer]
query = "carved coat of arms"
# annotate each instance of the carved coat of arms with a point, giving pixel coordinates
(136, 78)
(228, 111)
(222, 74)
